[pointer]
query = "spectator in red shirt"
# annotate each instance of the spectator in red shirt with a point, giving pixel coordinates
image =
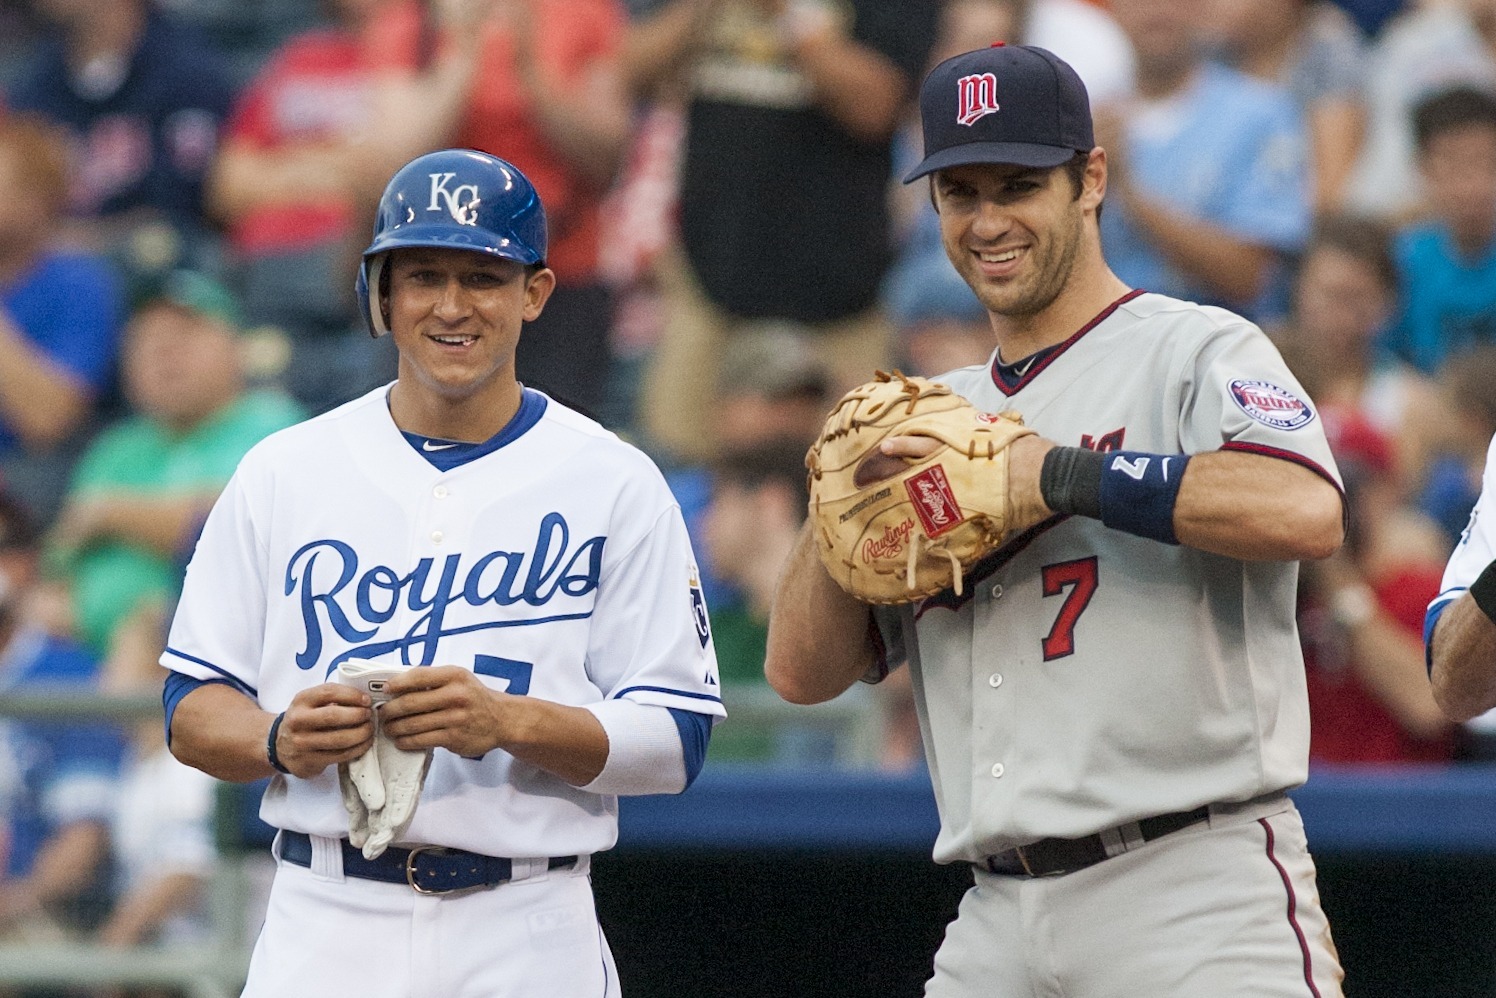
(1361, 619)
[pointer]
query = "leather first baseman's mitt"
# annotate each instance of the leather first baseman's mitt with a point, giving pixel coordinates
(898, 530)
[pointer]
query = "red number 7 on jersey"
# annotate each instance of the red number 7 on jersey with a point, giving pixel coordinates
(1079, 577)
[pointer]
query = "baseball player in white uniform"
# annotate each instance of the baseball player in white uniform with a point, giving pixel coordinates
(534, 567)
(1460, 628)
(1115, 705)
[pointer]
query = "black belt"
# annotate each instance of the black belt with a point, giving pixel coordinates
(1049, 857)
(427, 869)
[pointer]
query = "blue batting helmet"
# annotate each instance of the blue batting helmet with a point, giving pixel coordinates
(453, 199)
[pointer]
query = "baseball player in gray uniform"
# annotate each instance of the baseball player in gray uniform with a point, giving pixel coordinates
(1115, 704)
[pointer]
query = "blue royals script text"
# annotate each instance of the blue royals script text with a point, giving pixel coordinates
(336, 593)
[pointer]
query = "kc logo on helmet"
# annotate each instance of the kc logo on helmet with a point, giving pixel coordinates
(976, 98)
(461, 202)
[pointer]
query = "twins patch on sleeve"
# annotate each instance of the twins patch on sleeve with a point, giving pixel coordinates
(1271, 405)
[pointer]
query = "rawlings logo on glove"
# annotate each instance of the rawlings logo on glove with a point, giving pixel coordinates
(895, 530)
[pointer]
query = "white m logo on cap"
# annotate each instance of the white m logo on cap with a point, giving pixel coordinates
(461, 202)
(976, 98)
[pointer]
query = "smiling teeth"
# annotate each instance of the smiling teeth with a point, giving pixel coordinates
(455, 340)
(999, 257)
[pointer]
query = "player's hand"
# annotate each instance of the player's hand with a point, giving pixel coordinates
(1025, 462)
(324, 725)
(444, 706)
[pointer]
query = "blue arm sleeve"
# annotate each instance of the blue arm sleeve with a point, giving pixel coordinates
(695, 732)
(179, 685)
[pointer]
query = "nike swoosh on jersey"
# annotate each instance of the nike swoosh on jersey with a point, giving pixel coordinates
(427, 445)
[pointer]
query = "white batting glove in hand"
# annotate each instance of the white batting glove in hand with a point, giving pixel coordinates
(379, 788)
(380, 791)
(403, 774)
(363, 791)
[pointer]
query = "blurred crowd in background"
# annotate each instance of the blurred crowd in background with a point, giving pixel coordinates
(185, 186)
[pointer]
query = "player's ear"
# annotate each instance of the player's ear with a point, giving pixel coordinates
(538, 287)
(1093, 180)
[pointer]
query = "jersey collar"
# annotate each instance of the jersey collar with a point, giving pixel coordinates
(1047, 356)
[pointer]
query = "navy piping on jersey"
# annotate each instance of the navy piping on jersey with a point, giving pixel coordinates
(665, 689)
(449, 454)
(948, 599)
(1043, 362)
(227, 676)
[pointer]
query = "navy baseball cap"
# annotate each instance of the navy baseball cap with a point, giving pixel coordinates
(1016, 104)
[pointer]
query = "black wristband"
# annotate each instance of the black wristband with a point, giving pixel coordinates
(270, 752)
(1070, 481)
(1483, 591)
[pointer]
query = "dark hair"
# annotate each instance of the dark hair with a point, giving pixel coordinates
(776, 460)
(1451, 109)
(1359, 237)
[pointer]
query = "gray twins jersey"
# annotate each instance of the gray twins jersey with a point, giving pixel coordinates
(1090, 677)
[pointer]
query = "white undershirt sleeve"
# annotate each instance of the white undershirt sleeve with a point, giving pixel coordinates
(645, 755)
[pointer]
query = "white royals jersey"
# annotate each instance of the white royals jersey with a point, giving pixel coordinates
(1089, 677)
(1476, 550)
(555, 566)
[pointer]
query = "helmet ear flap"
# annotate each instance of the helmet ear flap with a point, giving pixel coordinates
(375, 293)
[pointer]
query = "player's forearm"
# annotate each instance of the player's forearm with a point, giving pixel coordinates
(565, 741)
(223, 733)
(1464, 661)
(1257, 508)
(819, 639)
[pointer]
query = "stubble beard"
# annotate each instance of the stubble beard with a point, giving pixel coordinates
(1051, 269)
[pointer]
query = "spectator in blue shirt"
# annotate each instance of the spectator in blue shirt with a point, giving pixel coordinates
(1207, 186)
(1447, 264)
(56, 779)
(143, 97)
(60, 315)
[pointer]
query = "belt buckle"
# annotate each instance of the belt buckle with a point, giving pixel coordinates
(410, 872)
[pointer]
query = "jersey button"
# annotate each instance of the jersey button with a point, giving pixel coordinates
(440, 492)
(995, 680)
(997, 770)
(436, 536)
(997, 593)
